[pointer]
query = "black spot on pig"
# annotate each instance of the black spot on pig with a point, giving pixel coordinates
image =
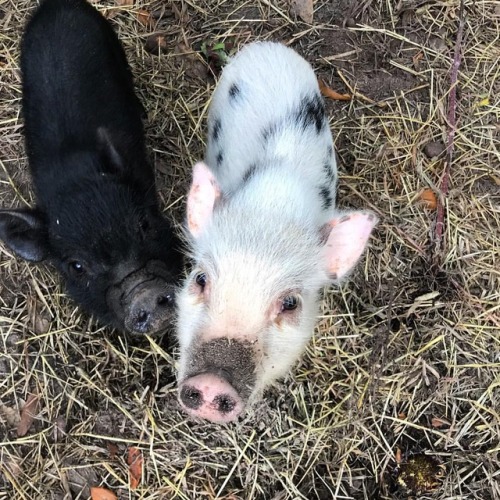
(326, 197)
(219, 158)
(312, 113)
(234, 91)
(216, 129)
(269, 131)
(329, 171)
(97, 217)
(249, 173)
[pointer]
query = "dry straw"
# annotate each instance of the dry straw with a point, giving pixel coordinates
(406, 355)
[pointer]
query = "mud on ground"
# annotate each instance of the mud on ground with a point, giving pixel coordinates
(406, 355)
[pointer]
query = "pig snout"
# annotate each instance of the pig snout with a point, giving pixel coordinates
(144, 301)
(219, 380)
(149, 307)
(210, 397)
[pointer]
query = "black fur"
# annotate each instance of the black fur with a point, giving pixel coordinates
(250, 173)
(216, 130)
(219, 158)
(234, 91)
(330, 173)
(312, 113)
(97, 217)
(326, 196)
(269, 131)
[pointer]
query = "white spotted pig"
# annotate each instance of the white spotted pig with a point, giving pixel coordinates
(265, 235)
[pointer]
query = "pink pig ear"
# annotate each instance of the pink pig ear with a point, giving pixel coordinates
(346, 241)
(202, 196)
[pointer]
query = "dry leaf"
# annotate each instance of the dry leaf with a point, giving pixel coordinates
(124, 3)
(398, 456)
(328, 92)
(495, 179)
(304, 9)
(112, 450)
(135, 461)
(484, 102)
(28, 413)
(439, 422)
(429, 198)
(416, 59)
(144, 17)
(156, 43)
(98, 493)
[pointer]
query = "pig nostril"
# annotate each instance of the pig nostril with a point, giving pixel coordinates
(142, 318)
(224, 403)
(191, 397)
(164, 300)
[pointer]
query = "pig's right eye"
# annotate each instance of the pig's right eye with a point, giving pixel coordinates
(76, 268)
(201, 279)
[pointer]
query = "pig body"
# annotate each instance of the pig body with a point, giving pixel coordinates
(265, 235)
(97, 217)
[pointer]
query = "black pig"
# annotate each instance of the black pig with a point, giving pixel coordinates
(97, 217)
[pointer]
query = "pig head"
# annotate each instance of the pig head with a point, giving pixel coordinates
(248, 308)
(118, 256)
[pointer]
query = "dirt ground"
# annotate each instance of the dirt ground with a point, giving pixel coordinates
(405, 360)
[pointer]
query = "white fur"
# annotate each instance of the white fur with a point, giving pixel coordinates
(265, 237)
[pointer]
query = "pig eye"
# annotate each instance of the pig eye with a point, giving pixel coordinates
(76, 268)
(290, 302)
(201, 279)
(144, 225)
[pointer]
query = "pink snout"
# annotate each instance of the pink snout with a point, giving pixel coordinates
(210, 397)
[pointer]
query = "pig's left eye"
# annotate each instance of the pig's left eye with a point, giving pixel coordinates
(144, 225)
(76, 268)
(290, 303)
(201, 279)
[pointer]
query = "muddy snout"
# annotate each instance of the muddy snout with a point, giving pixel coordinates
(144, 302)
(149, 308)
(222, 379)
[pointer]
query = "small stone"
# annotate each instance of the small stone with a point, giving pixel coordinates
(437, 44)
(42, 325)
(351, 22)
(433, 149)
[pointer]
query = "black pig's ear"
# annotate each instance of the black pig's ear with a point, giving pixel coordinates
(25, 233)
(113, 161)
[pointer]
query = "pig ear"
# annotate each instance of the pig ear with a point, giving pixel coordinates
(346, 238)
(203, 194)
(25, 233)
(112, 159)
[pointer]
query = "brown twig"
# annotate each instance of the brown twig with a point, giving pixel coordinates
(452, 124)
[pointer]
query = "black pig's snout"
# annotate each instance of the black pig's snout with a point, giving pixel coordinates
(149, 309)
(144, 300)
